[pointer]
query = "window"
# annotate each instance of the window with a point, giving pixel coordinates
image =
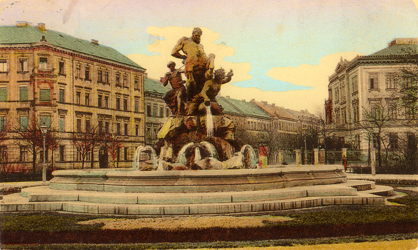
(87, 73)
(107, 127)
(78, 98)
(161, 111)
(45, 121)
(125, 153)
(99, 101)
(136, 84)
(99, 76)
(78, 71)
(136, 107)
(106, 99)
(167, 112)
(118, 103)
(125, 104)
(23, 94)
(61, 124)
(79, 125)
(154, 110)
(118, 154)
(126, 129)
(393, 141)
(149, 110)
(88, 126)
(125, 81)
(61, 68)
(3, 65)
(23, 65)
(3, 123)
(391, 81)
(374, 81)
(118, 128)
(106, 77)
(45, 95)
(41, 155)
(79, 155)
(336, 95)
(3, 153)
(62, 95)
(136, 130)
(100, 127)
(61, 152)
(392, 109)
(24, 154)
(3, 94)
(88, 156)
(117, 79)
(23, 123)
(43, 63)
(87, 99)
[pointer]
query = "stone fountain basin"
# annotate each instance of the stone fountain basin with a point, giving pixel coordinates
(197, 181)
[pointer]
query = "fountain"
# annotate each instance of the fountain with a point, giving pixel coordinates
(198, 166)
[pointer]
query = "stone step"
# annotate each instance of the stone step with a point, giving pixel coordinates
(44, 194)
(190, 209)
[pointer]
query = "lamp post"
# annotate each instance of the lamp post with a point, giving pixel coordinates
(44, 131)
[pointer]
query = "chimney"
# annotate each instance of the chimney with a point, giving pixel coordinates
(41, 27)
(95, 42)
(228, 97)
(22, 24)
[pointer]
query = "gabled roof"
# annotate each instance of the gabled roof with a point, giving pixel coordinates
(228, 107)
(154, 86)
(12, 35)
(246, 108)
(275, 111)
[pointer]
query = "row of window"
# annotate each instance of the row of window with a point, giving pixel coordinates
(102, 127)
(103, 75)
(157, 111)
(44, 94)
(391, 81)
(24, 154)
(22, 65)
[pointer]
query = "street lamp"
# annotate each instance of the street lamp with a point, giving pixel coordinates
(44, 131)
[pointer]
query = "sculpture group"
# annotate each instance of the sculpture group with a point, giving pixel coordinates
(197, 135)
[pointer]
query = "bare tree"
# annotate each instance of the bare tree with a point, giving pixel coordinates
(113, 144)
(31, 136)
(374, 121)
(86, 141)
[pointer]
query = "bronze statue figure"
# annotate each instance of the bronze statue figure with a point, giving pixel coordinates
(175, 98)
(196, 62)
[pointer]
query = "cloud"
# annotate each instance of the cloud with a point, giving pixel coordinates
(315, 76)
(156, 65)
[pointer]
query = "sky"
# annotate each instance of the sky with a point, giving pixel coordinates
(281, 51)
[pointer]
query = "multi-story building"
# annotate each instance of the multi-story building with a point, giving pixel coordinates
(359, 85)
(156, 109)
(283, 122)
(70, 85)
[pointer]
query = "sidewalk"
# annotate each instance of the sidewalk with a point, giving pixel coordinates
(387, 179)
(5, 186)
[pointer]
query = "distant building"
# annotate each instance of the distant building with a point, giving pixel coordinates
(362, 83)
(156, 110)
(69, 85)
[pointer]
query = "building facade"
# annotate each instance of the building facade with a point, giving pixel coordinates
(71, 86)
(361, 85)
(156, 109)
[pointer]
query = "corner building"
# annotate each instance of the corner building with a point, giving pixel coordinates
(70, 85)
(364, 82)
